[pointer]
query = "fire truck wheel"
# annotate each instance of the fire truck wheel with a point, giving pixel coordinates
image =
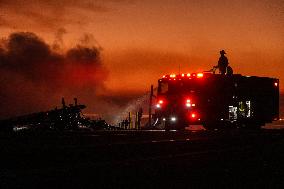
(210, 126)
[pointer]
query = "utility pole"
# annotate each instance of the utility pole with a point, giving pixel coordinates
(130, 120)
(150, 106)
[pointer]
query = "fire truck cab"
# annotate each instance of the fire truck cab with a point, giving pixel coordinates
(216, 101)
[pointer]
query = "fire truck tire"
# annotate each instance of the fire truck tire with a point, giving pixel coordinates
(210, 126)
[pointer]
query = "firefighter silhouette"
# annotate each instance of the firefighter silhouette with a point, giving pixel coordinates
(223, 62)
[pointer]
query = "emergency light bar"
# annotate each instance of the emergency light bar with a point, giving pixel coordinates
(187, 75)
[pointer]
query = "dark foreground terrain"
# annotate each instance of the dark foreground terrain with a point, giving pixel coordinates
(143, 159)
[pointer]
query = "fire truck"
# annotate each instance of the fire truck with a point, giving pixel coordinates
(216, 101)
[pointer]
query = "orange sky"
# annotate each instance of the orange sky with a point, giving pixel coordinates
(142, 40)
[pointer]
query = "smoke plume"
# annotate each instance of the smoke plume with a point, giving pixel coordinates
(33, 76)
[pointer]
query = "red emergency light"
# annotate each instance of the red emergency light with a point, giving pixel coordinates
(160, 103)
(184, 75)
(199, 75)
(193, 116)
(188, 103)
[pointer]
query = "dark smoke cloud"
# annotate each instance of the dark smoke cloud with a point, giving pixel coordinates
(25, 54)
(34, 77)
(84, 55)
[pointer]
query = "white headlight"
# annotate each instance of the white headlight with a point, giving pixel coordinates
(173, 118)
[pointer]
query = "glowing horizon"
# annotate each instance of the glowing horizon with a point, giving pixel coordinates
(140, 41)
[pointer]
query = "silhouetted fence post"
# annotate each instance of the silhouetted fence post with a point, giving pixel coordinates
(150, 106)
